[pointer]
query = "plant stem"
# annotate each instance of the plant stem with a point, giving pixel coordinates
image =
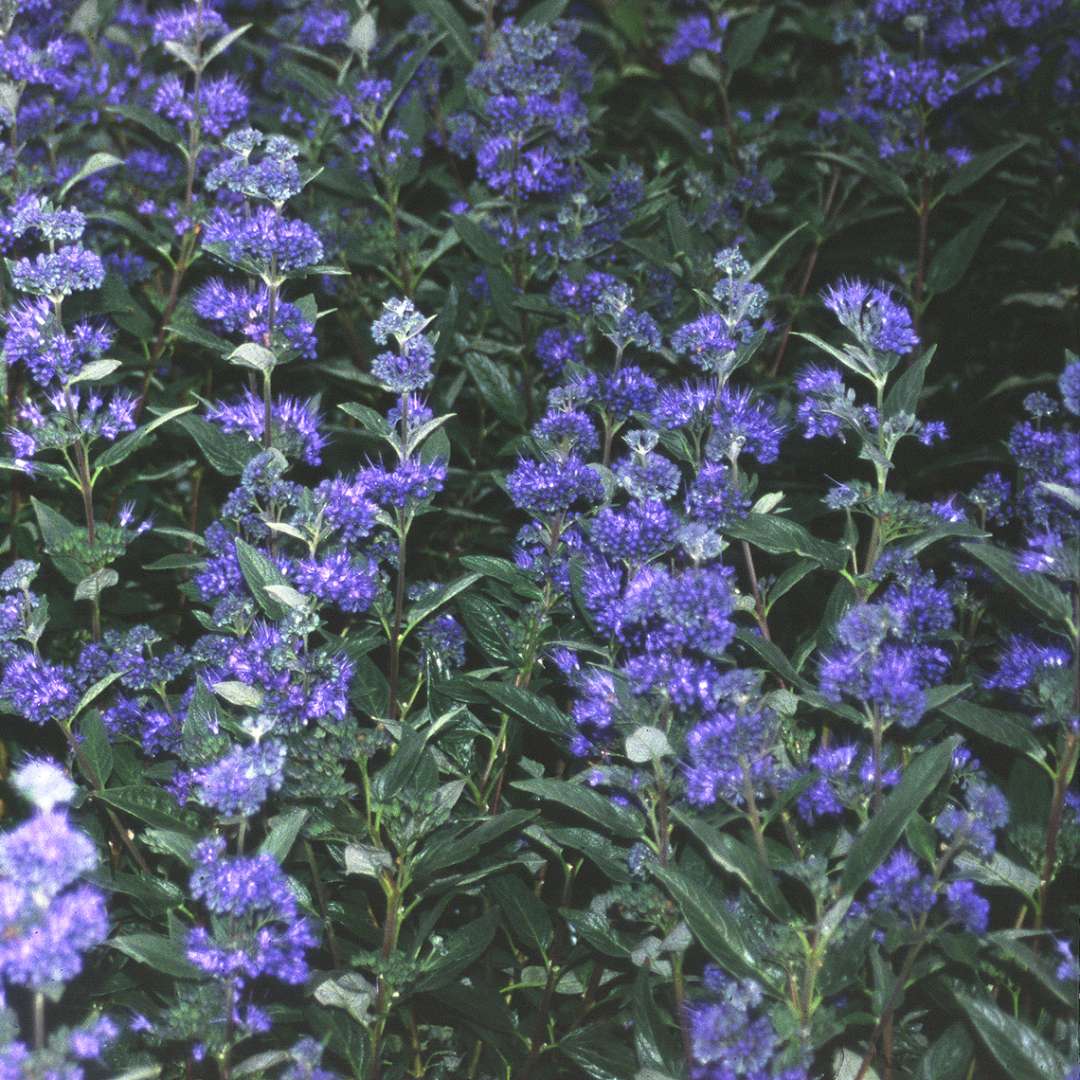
(39, 1021)
(759, 604)
(877, 736)
(807, 274)
(678, 982)
(391, 930)
(754, 813)
(403, 522)
(320, 896)
(399, 617)
(1053, 826)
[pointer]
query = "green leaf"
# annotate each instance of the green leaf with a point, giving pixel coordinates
(647, 743)
(547, 11)
(745, 40)
(176, 562)
(160, 953)
(608, 856)
(443, 12)
(422, 609)
(738, 859)
(125, 447)
(773, 656)
(238, 693)
(259, 1065)
(170, 842)
(149, 120)
(846, 1065)
(93, 164)
(533, 709)
(886, 178)
(1011, 944)
(150, 804)
(525, 916)
(495, 388)
(284, 829)
(978, 167)
(482, 244)
(1022, 1052)
(651, 1034)
(259, 572)
(788, 579)
(1032, 588)
(95, 750)
(595, 928)
(717, 929)
(254, 356)
(618, 821)
(879, 836)
(1004, 728)
(759, 264)
(396, 773)
(951, 260)
(56, 531)
(903, 396)
(374, 423)
(780, 536)
(998, 872)
(600, 1052)
(502, 570)
(950, 1056)
(92, 692)
(95, 370)
(489, 629)
(224, 42)
(91, 588)
(226, 454)
(408, 68)
(459, 949)
(456, 843)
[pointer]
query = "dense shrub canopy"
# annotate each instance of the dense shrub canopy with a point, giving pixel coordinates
(540, 540)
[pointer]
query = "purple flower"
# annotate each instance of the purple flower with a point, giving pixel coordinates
(271, 242)
(38, 690)
(443, 639)
(407, 370)
(1023, 661)
(43, 783)
(46, 924)
(222, 103)
(238, 310)
(967, 907)
(557, 347)
(872, 315)
(552, 487)
(1069, 384)
(58, 273)
(648, 476)
(188, 26)
(567, 430)
(731, 1034)
(340, 579)
(986, 810)
(642, 531)
(295, 424)
(715, 498)
(900, 887)
(743, 424)
(258, 930)
(241, 782)
(708, 342)
(692, 35)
